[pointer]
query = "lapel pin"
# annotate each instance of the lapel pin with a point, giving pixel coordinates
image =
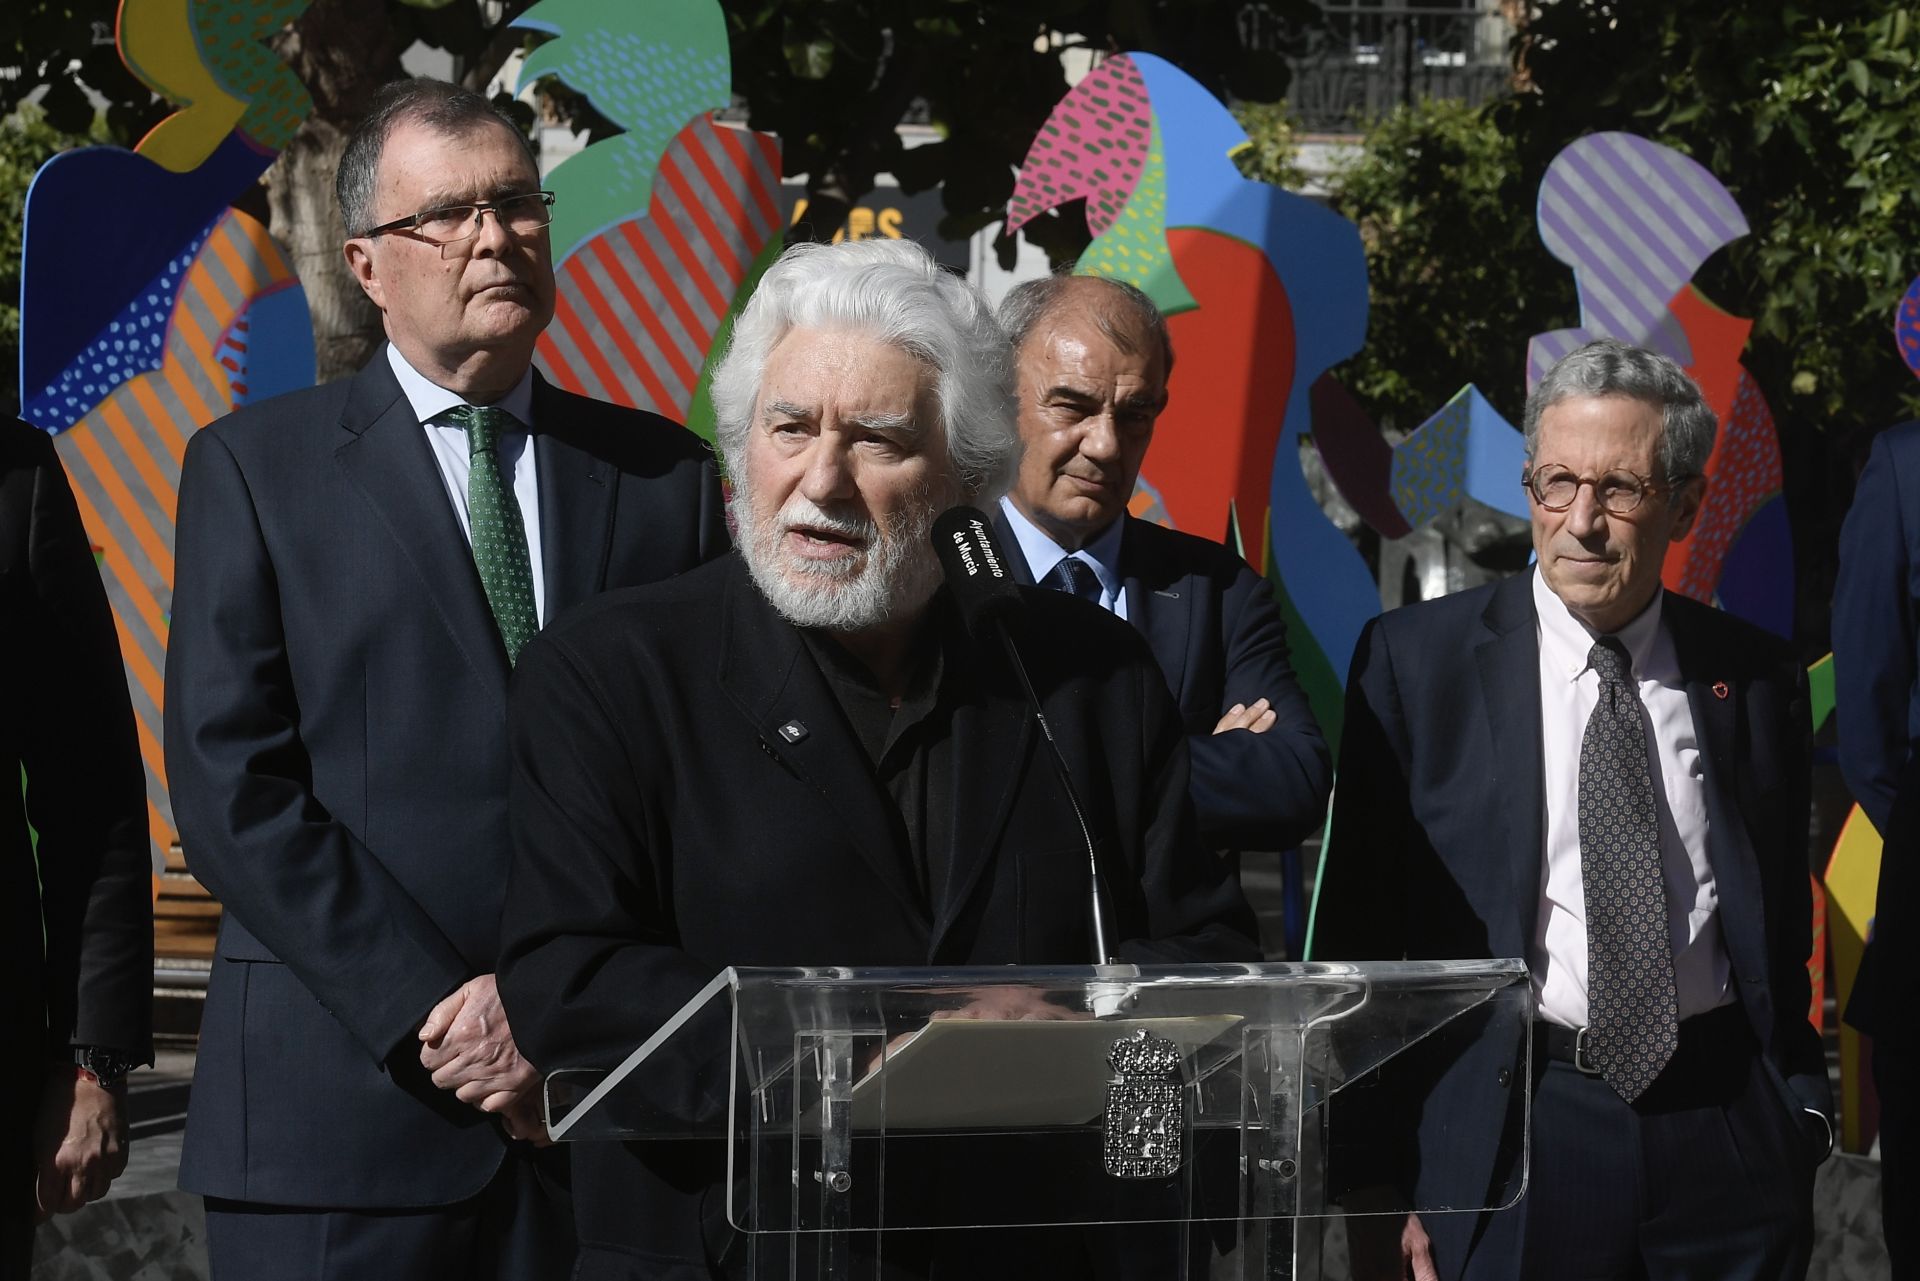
(1719, 689)
(1161, 591)
(794, 731)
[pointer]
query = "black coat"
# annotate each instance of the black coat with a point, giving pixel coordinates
(664, 829)
(1216, 631)
(1439, 827)
(67, 723)
(336, 747)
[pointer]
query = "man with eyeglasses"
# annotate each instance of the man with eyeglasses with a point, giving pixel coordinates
(1576, 767)
(358, 568)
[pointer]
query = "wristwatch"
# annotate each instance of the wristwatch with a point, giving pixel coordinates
(107, 1067)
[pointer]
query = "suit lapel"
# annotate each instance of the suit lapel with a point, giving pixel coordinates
(766, 670)
(1509, 665)
(576, 503)
(386, 454)
(1156, 609)
(1716, 720)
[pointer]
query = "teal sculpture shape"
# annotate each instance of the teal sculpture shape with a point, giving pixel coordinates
(649, 67)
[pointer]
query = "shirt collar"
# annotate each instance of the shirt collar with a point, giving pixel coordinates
(429, 400)
(1565, 641)
(1042, 553)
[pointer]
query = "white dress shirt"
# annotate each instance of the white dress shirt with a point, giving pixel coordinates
(449, 443)
(1102, 555)
(1569, 689)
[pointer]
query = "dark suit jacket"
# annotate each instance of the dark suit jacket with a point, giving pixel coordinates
(65, 720)
(665, 829)
(1439, 825)
(336, 745)
(1876, 667)
(1216, 632)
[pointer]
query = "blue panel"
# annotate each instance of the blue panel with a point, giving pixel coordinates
(101, 225)
(1321, 262)
(1321, 265)
(131, 343)
(1324, 574)
(1316, 252)
(1496, 452)
(1756, 582)
(279, 344)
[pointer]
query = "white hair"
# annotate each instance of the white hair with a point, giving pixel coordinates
(893, 291)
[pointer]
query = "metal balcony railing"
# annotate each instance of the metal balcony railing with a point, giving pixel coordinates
(1365, 59)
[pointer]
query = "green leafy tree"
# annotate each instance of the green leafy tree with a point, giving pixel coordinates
(54, 52)
(1459, 278)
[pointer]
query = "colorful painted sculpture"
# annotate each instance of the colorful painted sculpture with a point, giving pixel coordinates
(1232, 263)
(660, 231)
(1635, 221)
(149, 307)
(1906, 327)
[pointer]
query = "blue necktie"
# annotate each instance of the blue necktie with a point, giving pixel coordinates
(1075, 577)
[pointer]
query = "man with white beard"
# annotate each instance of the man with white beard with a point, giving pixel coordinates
(797, 756)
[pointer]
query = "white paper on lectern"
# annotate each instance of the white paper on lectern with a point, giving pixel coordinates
(1003, 1073)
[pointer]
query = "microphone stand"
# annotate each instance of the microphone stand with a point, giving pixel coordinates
(1103, 950)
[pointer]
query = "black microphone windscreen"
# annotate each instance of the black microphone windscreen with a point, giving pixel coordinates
(976, 568)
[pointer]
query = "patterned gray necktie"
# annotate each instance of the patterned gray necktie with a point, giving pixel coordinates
(1074, 576)
(499, 534)
(1633, 1021)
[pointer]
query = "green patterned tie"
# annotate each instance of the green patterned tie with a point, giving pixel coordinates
(499, 535)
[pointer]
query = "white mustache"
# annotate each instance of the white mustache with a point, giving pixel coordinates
(802, 513)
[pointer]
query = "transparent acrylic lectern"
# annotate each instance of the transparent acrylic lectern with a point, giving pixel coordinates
(1248, 1107)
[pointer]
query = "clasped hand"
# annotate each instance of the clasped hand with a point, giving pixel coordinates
(80, 1142)
(468, 1047)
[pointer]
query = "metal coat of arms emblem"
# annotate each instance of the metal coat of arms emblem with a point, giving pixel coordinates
(1146, 1117)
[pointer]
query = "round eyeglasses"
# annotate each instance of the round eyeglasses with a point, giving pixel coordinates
(523, 215)
(1619, 492)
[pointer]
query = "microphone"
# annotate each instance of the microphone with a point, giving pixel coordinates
(984, 588)
(979, 579)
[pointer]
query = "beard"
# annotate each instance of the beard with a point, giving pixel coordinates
(888, 579)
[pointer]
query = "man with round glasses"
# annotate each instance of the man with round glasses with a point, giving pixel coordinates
(1577, 767)
(359, 566)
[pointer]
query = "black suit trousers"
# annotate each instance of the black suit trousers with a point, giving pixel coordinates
(519, 1228)
(1706, 1175)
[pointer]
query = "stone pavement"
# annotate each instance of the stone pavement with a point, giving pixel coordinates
(146, 1229)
